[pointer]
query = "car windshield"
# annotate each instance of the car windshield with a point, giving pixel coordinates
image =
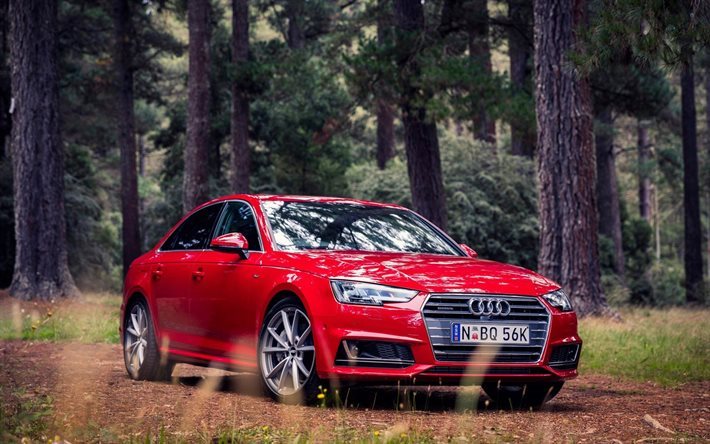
(300, 225)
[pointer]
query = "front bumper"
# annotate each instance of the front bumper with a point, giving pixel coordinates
(404, 324)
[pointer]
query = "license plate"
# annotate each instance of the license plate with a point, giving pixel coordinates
(490, 333)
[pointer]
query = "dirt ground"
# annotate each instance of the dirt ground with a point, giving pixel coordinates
(90, 391)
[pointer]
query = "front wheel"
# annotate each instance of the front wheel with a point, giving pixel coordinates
(140, 348)
(287, 355)
(530, 395)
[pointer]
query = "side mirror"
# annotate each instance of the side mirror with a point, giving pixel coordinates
(470, 252)
(231, 243)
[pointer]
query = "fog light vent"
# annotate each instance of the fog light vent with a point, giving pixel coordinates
(374, 354)
(565, 357)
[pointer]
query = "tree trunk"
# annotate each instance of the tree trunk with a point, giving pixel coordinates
(195, 183)
(644, 155)
(41, 269)
(566, 162)
(5, 118)
(294, 12)
(420, 137)
(484, 127)
(141, 156)
(241, 154)
(707, 146)
(385, 113)
(691, 194)
(607, 188)
(125, 122)
(522, 139)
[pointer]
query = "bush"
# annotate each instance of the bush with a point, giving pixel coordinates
(667, 279)
(491, 200)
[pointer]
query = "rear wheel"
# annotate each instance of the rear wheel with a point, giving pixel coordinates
(287, 355)
(140, 348)
(530, 395)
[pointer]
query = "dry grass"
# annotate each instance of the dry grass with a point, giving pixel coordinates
(665, 345)
(91, 318)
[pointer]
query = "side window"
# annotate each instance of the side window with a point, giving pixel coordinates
(194, 233)
(239, 218)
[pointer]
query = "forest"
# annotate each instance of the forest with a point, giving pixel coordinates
(574, 142)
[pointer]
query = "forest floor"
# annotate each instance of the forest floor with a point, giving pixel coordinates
(81, 393)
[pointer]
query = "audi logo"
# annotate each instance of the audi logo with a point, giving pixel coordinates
(489, 307)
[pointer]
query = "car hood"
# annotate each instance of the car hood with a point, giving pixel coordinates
(423, 272)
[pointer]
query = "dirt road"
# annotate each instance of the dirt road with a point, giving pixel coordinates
(94, 399)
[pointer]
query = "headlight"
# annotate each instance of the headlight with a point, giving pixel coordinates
(558, 299)
(363, 293)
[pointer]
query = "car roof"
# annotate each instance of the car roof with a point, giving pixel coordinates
(296, 198)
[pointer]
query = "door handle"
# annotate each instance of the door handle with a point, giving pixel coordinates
(198, 274)
(157, 273)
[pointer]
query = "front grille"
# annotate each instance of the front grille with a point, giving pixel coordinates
(441, 310)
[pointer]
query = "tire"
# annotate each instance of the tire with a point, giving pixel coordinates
(140, 347)
(514, 396)
(284, 351)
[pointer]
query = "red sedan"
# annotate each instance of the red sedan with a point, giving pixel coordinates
(307, 290)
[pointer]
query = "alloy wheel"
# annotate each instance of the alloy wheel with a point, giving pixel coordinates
(287, 352)
(136, 338)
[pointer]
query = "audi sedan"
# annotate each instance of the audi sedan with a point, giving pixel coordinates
(304, 291)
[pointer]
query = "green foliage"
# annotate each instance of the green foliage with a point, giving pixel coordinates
(25, 416)
(491, 201)
(648, 31)
(93, 238)
(302, 136)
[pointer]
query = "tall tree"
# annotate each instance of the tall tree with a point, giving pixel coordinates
(643, 148)
(125, 122)
(41, 269)
(607, 187)
(691, 193)
(420, 135)
(5, 118)
(241, 154)
(566, 163)
(385, 113)
(195, 181)
(479, 48)
(522, 138)
(295, 38)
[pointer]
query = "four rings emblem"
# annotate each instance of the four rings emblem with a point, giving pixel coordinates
(489, 307)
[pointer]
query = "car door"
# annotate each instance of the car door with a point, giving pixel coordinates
(173, 277)
(223, 305)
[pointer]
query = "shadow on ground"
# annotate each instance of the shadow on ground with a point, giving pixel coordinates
(383, 398)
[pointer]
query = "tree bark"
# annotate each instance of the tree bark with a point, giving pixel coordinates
(5, 118)
(707, 146)
(294, 12)
(195, 183)
(241, 154)
(125, 122)
(566, 162)
(608, 189)
(522, 139)
(41, 269)
(691, 194)
(420, 136)
(479, 48)
(385, 113)
(644, 155)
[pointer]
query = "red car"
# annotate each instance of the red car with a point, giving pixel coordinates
(307, 290)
